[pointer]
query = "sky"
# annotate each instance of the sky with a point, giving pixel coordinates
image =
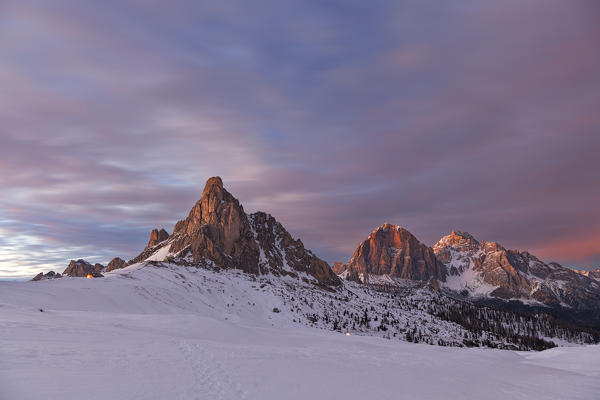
(335, 117)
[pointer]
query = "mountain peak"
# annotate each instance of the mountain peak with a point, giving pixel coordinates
(394, 251)
(459, 239)
(213, 185)
(462, 234)
(157, 236)
(217, 230)
(387, 227)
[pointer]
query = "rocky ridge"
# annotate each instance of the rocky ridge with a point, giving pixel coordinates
(217, 233)
(461, 264)
(49, 275)
(593, 274)
(486, 268)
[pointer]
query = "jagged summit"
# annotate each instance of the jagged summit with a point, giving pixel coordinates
(386, 226)
(593, 274)
(157, 236)
(463, 235)
(457, 238)
(488, 269)
(217, 229)
(218, 232)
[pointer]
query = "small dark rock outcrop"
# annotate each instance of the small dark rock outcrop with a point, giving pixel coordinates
(115, 263)
(157, 236)
(80, 268)
(48, 275)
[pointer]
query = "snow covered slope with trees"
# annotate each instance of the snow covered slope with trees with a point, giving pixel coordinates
(156, 331)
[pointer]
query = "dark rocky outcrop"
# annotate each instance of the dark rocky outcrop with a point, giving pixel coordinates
(115, 263)
(48, 275)
(98, 268)
(393, 251)
(80, 268)
(157, 236)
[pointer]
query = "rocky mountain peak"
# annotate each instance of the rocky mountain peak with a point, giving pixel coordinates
(392, 233)
(457, 239)
(157, 236)
(487, 268)
(217, 208)
(81, 268)
(48, 275)
(387, 228)
(394, 251)
(217, 230)
(115, 263)
(593, 273)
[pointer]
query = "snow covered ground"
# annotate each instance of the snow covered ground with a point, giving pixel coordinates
(160, 333)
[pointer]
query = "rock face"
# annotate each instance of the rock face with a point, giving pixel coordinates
(80, 268)
(218, 229)
(115, 263)
(279, 252)
(393, 252)
(217, 232)
(488, 269)
(338, 267)
(157, 236)
(48, 275)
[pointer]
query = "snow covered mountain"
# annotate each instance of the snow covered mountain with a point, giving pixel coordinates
(475, 270)
(488, 269)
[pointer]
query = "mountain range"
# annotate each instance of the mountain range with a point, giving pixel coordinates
(219, 235)
(463, 265)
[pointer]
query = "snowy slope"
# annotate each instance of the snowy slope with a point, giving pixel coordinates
(148, 332)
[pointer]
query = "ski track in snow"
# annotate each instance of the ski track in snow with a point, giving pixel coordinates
(210, 379)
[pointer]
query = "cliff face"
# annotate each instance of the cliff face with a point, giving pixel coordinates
(393, 251)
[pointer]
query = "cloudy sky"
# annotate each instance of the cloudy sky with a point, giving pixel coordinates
(335, 117)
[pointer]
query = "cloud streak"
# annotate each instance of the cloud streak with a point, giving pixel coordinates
(480, 116)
